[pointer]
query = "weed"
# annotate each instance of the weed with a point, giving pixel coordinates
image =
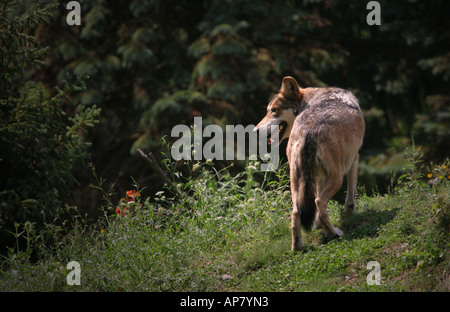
(223, 232)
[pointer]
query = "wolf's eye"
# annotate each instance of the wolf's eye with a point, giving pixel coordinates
(274, 110)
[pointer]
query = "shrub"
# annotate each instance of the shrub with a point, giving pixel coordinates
(41, 134)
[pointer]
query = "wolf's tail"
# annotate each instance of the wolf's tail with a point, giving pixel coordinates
(307, 176)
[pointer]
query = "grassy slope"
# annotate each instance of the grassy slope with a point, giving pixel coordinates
(231, 236)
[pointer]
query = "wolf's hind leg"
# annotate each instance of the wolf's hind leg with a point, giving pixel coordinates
(317, 222)
(297, 242)
(332, 185)
(352, 178)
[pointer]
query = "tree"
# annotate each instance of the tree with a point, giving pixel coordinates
(39, 141)
(155, 64)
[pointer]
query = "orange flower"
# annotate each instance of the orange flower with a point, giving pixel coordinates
(121, 212)
(133, 193)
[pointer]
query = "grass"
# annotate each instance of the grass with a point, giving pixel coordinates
(227, 233)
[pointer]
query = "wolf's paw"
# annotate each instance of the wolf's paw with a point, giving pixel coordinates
(349, 208)
(338, 232)
(329, 236)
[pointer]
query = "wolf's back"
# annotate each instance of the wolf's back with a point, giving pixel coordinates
(336, 98)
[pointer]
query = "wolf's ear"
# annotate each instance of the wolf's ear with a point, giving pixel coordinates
(290, 88)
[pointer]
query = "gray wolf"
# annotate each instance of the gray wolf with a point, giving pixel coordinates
(325, 128)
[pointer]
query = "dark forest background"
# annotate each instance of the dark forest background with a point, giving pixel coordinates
(94, 93)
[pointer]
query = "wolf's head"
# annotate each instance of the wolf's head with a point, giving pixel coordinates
(282, 110)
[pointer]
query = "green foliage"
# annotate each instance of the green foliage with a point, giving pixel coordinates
(18, 49)
(223, 233)
(39, 141)
(432, 125)
(149, 59)
(154, 64)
